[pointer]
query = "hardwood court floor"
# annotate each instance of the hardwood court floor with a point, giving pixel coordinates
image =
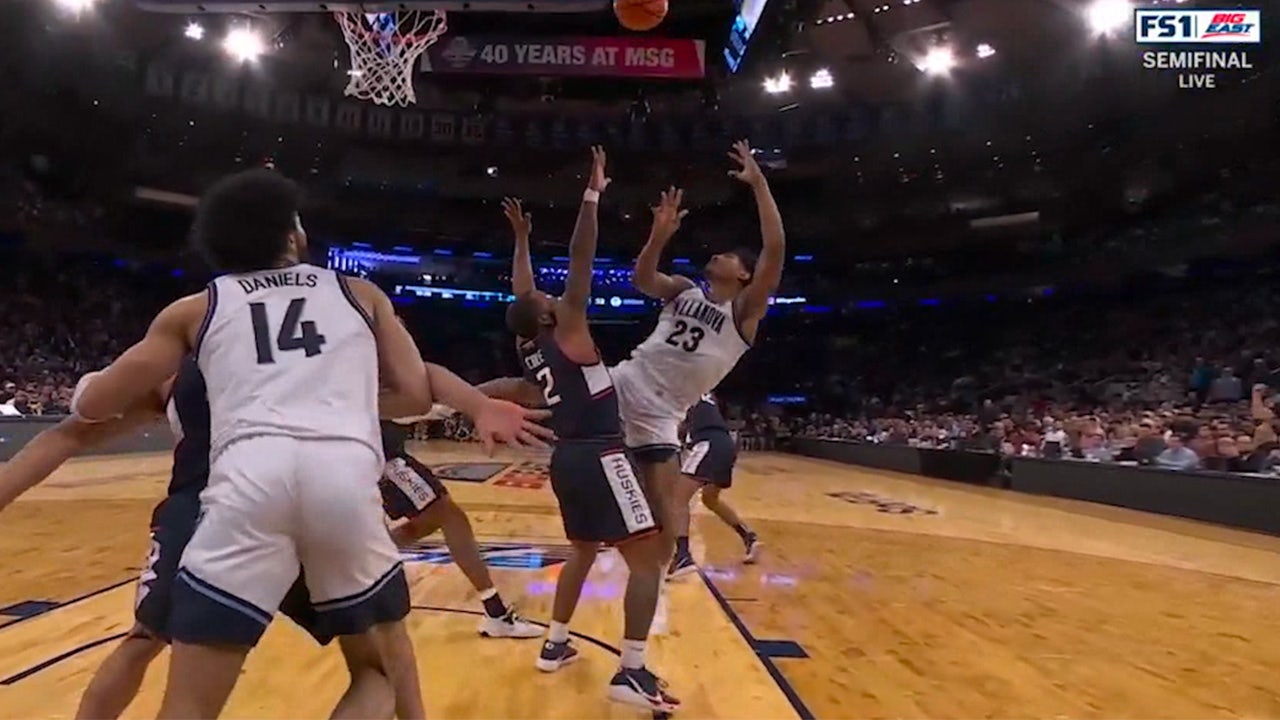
(879, 595)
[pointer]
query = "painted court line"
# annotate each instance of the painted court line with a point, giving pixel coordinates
(767, 660)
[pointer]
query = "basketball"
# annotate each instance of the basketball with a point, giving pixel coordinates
(640, 15)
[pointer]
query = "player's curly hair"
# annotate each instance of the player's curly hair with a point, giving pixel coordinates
(243, 222)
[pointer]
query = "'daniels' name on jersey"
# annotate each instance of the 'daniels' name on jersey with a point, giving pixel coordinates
(276, 280)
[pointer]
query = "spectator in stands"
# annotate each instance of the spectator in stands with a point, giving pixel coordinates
(1201, 379)
(1226, 457)
(1055, 441)
(1177, 456)
(1226, 388)
(1094, 446)
(1150, 442)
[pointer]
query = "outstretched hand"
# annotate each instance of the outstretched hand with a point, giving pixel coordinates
(668, 215)
(750, 172)
(599, 181)
(521, 221)
(505, 422)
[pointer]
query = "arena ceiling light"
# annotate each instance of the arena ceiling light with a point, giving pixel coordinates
(194, 31)
(938, 61)
(1107, 16)
(821, 79)
(75, 6)
(244, 44)
(779, 84)
(985, 51)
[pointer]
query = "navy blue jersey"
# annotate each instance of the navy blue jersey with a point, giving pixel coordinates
(581, 398)
(705, 416)
(394, 437)
(188, 412)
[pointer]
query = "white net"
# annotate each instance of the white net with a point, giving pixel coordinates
(384, 50)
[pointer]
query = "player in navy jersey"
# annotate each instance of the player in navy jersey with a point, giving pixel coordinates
(601, 498)
(708, 461)
(412, 493)
(185, 403)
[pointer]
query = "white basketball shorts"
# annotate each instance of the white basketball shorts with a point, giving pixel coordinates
(650, 423)
(275, 505)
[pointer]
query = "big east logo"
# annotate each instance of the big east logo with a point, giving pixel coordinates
(1228, 24)
(1197, 26)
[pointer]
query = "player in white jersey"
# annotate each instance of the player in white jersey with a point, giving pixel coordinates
(701, 331)
(292, 357)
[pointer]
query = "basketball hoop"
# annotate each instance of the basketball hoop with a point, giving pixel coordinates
(384, 49)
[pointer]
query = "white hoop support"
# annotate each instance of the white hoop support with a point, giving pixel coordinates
(383, 60)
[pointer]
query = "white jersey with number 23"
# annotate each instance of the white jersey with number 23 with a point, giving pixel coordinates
(289, 352)
(696, 343)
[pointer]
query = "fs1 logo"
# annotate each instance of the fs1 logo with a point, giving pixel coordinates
(1197, 26)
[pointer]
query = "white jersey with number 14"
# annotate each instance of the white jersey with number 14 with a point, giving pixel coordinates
(289, 352)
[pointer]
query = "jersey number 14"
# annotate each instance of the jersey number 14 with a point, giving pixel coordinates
(295, 333)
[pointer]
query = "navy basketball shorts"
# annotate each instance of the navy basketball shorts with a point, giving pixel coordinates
(172, 523)
(599, 492)
(408, 487)
(710, 456)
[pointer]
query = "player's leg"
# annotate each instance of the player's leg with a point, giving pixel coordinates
(369, 694)
(717, 469)
(568, 476)
(620, 513)
(116, 681)
(693, 465)
(713, 499)
(557, 650)
(353, 571)
(240, 562)
(410, 490)
(651, 431)
(682, 495)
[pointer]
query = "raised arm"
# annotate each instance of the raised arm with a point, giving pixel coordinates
(145, 366)
(521, 260)
(768, 273)
(586, 233)
(666, 221)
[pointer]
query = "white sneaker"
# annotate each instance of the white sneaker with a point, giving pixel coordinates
(510, 625)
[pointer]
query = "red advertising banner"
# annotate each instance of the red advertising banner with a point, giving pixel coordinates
(638, 57)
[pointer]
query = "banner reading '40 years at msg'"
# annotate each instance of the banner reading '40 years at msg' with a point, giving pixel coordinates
(637, 57)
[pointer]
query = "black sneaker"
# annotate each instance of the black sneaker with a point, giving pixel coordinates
(753, 548)
(556, 655)
(641, 688)
(680, 566)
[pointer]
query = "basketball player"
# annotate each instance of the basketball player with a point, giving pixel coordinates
(291, 356)
(601, 499)
(710, 455)
(701, 331)
(117, 680)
